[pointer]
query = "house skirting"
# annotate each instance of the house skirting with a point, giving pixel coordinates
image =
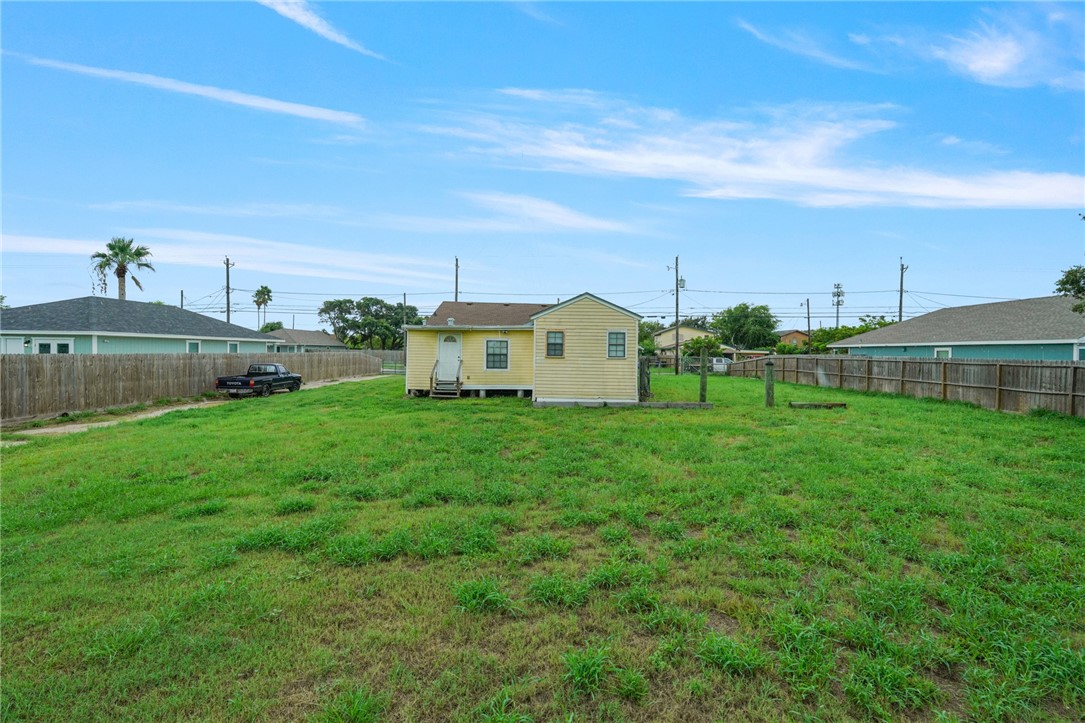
(543, 402)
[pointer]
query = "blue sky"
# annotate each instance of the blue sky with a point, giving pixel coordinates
(338, 150)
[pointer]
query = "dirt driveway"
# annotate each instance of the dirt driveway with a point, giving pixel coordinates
(81, 427)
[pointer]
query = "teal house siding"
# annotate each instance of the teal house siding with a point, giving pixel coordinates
(1041, 329)
(96, 325)
(1025, 352)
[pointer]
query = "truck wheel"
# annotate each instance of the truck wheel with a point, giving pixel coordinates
(265, 391)
(295, 386)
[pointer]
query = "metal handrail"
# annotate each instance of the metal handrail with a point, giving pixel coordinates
(459, 380)
(433, 376)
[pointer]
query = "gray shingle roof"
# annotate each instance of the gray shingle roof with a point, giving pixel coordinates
(473, 313)
(1047, 318)
(307, 338)
(99, 315)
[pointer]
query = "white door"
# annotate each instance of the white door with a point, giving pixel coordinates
(448, 357)
(13, 346)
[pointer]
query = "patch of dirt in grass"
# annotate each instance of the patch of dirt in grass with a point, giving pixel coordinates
(954, 690)
(721, 622)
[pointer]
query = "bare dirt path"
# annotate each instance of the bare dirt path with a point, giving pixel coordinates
(82, 427)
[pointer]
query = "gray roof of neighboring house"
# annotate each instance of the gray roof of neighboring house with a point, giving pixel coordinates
(475, 313)
(784, 332)
(99, 315)
(1047, 318)
(307, 338)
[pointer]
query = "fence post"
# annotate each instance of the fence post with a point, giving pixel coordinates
(943, 381)
(770, 394)
(704, 375)
(998, 387)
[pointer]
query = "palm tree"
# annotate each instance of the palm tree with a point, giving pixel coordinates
(261, 298)
(119, 255)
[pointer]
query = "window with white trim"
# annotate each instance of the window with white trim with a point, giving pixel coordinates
(555, 343)
(615, 344)
(192, 347)
(943, 352)
(497, 353)
(232, 347)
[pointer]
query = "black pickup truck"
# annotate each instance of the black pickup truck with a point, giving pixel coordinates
(262, 379)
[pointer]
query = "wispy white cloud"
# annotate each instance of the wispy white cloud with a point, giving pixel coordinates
(204, 249)
(509, 213)
(239, 210)
(543, 214)
(512, 214)
(223, 95)
(1018, 48)
(800, 43)
(982, 148)
(303, 13)
(533, 11)
(801, 153)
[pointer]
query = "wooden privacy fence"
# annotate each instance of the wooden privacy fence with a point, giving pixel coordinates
(39, 385)
(1006, 385)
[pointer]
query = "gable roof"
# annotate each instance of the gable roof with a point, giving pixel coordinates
(687, 327)
(307, 338)
(1047, 319)
(476, 313)
(99, 315)
(580, 297)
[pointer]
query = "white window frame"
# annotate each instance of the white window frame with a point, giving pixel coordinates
(947, 349)
(625, 343)
(197, 342)
(235, 350)
(546, 342)
(52, 341)
(486, 355)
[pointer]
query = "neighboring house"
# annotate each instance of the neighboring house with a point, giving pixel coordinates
(98, 325)
(582, 350)
(793, 336)
(297, 340)
(664, 339)
(1041, 329)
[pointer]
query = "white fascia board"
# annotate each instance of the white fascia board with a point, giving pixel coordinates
(838, 345)
(460, 327)
(141, 335)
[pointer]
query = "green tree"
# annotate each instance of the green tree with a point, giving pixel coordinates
(646, 337)
(368, 323)
(3, 302)
(120, 256)
(746, 327)
(711, 345)
(696, 322)
(271, 326)
(261, 298)
(821, 338)
(1072, 284)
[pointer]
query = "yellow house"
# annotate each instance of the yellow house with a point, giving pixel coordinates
(579, 351)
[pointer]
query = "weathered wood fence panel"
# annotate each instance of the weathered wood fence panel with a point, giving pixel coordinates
(1006, 385)
(40, 385)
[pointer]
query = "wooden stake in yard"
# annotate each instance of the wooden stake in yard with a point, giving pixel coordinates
(770, 393)
(704, 375)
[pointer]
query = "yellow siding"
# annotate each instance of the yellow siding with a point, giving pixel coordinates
(473, 353)
(421, 353)
(585, 373)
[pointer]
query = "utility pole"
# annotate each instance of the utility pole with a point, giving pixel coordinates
(678, 284)
(838, 301)
(228, 265)
(809, 346)
(182, 298)
(900, 303)
(456, 296)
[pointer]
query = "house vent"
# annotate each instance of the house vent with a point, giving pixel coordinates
(451, 321)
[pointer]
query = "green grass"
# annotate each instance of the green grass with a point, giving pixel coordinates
(350, 554)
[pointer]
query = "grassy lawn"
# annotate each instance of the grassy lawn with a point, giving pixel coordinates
(349, 554)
